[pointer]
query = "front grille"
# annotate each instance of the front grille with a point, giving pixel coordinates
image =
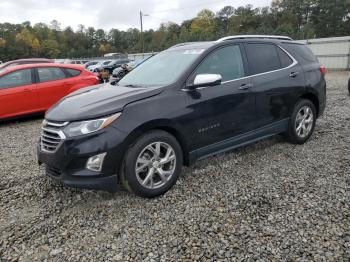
(52, 136)
(52, 171)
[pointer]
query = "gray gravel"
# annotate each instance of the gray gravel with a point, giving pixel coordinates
(269, 201)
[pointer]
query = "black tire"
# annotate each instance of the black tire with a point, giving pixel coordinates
(129, 178)
(292, 135)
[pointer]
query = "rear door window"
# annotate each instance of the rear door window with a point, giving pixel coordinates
(226, 61)
(262, 58)
(17, 78)
(50, 74)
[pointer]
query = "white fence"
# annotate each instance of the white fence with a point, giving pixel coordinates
(333, 53)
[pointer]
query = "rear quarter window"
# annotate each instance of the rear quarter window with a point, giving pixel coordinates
(301, 52)
(73, 72)
(284, 58)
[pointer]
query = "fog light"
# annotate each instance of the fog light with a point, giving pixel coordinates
(95, 163)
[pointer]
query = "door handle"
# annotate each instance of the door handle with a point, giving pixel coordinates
(27, 90)
(245, 86)
(293, 74)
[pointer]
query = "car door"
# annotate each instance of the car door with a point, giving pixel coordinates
(52, 85)
(18, 94)
(277, 82)
(222, 111)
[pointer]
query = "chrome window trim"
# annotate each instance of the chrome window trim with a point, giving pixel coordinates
(294, 63)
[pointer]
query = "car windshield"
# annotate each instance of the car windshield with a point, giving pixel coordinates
(106, 62)
(162, 69)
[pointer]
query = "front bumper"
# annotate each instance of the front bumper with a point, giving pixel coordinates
(108, 183)
(67, 165)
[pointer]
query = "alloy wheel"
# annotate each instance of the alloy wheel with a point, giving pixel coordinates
(155, 165)
(304, 121)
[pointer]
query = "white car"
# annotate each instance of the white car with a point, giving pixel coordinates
(99, 64)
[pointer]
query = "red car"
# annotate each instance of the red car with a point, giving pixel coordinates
(33, 88)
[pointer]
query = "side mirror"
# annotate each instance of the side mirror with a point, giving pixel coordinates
(203, 80)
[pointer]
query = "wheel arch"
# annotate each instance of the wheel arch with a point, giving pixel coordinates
(160, 124)
(314, 99)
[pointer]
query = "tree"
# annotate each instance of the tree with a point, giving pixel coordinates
(223, 18)
(2, 42)
(204, 25)
(51, 48)
(104, 49)
(55, 25)
(35, 47)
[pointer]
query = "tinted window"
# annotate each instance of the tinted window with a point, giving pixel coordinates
(17, 78)
(226, 62)
(301, 52)
(284, 58)
(73, 72)
(262, 58)
(50, 74)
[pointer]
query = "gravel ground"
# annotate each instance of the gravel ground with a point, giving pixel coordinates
(270, 201)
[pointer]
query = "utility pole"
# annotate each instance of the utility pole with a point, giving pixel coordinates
(142, 38)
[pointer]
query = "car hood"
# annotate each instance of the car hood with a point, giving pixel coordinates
(96, 101)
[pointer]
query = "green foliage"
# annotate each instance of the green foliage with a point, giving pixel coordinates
(299, 19)
(204, 25)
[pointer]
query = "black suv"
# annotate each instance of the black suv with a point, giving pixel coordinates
(189, 102)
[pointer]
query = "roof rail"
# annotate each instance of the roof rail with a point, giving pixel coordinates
(183, 44)
(279, 37)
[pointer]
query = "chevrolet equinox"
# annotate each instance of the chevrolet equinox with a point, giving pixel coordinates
(188, 102)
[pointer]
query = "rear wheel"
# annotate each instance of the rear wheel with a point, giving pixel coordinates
(152, 165)
(302, 122)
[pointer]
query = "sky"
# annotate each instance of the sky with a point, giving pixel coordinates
(107, 14)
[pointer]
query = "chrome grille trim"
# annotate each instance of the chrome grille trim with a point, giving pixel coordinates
(51, 136)
(57, 124)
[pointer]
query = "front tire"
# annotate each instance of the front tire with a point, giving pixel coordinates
(152, 165)
(302, 122)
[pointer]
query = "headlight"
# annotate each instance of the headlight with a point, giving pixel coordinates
(87, 127)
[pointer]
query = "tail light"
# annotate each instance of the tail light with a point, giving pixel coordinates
(323, 70)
